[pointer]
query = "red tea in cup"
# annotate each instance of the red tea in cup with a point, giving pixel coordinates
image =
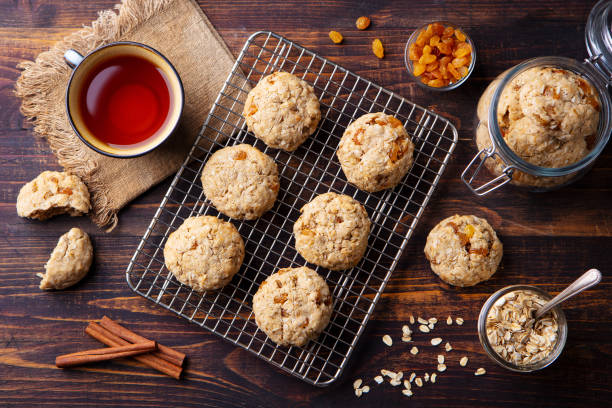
(124, 99)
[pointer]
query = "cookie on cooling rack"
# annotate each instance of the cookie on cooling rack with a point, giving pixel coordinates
(375, 152)
(332, 231)
(282, 110)
(204, 253)
(240, 181)
(463, 250)
(293, 306)
(53, 193)
(69, 262)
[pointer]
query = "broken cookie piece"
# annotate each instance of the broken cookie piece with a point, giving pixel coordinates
(53, 193)
(69, 262)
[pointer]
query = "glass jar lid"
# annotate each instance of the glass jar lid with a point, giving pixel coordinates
(598, 37)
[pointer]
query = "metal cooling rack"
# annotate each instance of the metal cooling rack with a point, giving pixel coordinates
(311, 170)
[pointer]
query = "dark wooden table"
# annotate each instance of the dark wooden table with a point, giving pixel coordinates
(549, 239)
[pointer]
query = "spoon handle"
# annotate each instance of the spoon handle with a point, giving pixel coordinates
(588, 279)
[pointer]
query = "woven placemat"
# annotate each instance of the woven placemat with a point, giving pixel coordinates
(179, 30)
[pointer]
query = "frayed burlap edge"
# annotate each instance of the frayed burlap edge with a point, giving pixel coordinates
(40, 76)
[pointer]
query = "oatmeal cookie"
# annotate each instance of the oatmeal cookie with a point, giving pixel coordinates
(204, 253)
(547, 116)
(240, 181)
(332, 231)
(282, 110)
(293, 306)
(375, 152)
(69, 262)
(53, 193)
(463, 250)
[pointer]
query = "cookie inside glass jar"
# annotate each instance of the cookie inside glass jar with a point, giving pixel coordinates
(548, 116)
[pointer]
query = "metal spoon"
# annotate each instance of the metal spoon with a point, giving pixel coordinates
(589, 279)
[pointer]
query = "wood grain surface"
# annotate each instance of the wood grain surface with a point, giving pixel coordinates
(549, 239)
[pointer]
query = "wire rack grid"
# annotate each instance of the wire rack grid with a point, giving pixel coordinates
(310, 170)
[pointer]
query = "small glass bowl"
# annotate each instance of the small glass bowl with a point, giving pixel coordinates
(410, 67)
(484, 340)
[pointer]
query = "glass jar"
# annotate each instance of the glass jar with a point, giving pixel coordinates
(484, 339)
(493, 151)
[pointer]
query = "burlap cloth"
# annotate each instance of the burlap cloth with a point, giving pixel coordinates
(179, 30)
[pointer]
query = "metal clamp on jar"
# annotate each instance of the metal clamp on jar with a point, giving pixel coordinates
(501, 152)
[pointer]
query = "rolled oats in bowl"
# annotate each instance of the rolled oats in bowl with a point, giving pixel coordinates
(512, 337)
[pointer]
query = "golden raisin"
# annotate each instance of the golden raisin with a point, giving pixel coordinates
(433, 41)
(336, 37)
(429, 31)
(282, 298)
(421, 39)
(414, 52)
(459, 62)
(436, 83)
(241, 155)
(432, 67)
(436, 74)
(427, 59)
(448, 32)
(469, 230)
(394, 122)
(362, 23)
(437, 28)
(419, 69)
(377, 48)
(460, 36)
(426, 50)
(397, 151)
(67, 191)
(462, 49)
(252, 110)
(479, 251)
(308, 232)
(453, 71)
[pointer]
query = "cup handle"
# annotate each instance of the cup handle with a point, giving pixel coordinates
(491, 185)
(73, 58)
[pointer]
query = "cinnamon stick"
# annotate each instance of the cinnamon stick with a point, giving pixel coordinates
(104, 336)
(103, 354)
(166, 353)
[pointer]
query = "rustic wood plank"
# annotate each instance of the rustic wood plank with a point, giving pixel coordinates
(548, 238)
